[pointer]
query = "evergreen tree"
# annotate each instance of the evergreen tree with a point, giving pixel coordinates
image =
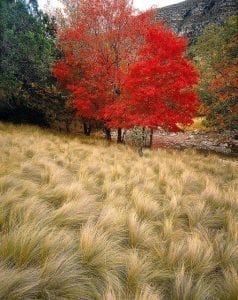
(27, 50)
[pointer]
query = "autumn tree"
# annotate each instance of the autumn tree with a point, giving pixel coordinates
(125, 70)
(215, 54)
(99, 46)
(158, 89)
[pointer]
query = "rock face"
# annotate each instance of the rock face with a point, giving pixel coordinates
(190, 17)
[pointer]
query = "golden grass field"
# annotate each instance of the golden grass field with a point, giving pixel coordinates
(82, 219)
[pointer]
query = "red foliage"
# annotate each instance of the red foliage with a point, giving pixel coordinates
(159, 86)
(225, 84)
(98, 49)
(124, 71)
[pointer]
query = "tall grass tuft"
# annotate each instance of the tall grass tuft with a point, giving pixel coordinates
(83, 220)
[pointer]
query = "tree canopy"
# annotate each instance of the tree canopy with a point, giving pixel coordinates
(27, 48)
(215, 54)
(123, 69)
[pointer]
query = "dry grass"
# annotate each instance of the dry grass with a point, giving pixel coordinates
(80, 219)
(198, 124)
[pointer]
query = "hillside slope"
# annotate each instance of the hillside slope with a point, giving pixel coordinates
(81, 219)
(190, 17)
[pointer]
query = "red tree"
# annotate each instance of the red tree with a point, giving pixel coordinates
(98, 49)
(124, 71)
(159, 87)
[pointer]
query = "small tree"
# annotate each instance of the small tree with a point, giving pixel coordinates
(138, 137)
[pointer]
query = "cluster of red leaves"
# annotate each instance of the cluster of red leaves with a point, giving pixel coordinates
(125, 71)
(158, 87)
(225, 84)
(225, 88)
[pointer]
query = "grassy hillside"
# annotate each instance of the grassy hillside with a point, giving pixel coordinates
(80, 219)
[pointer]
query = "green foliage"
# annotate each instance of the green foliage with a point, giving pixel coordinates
(138, 137)
(27, 48)
(216, 56)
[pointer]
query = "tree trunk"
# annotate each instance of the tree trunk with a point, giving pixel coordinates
(124, 136)
(108, 133)
(143, 137)
(151, 138)
(140, 151)
(67, 126)
(119, 135)
(87, 129)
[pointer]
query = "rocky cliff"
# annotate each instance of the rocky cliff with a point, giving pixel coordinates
(190, 17)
